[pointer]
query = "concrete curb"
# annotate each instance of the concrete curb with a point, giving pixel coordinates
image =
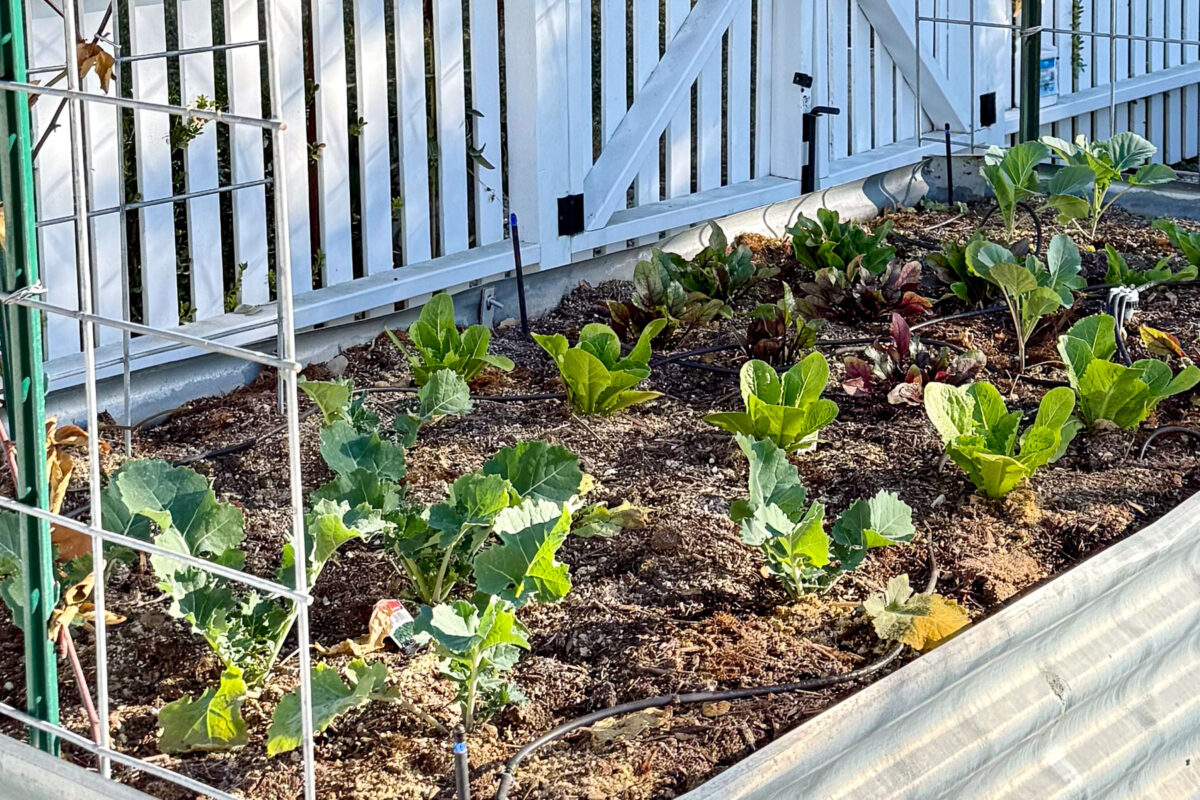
(33, 775)
(1083, 688)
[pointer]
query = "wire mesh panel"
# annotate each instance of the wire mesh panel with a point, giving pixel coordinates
(89, 114)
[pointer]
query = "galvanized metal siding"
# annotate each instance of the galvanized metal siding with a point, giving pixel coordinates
(1086, 688)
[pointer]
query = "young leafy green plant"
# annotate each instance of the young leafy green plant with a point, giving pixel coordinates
(981, 435)
(791, 534)
(719, 271)
(1079, 190)
(245, 630)
(909, 365)
(659, 295)
(788, 411)
(331, 698)
(476, 643)
(1186, 242)
(1030, 289)
(853, 294)
(1013, 178)
(920, 621)
(445, 394)
(829, 243)
(951, 268)
(439, 345)
(598, 379)
(1111, 394)
(1121, 274)
(503, 525)
(778, 333)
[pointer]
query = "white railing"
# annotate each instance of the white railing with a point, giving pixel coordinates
(428, 122)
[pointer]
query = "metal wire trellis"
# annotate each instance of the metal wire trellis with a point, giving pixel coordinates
(17, 91)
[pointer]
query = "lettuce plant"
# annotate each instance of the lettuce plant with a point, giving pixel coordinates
(1013, 178)
(1112, 394)
(788, 411)
(778, 333)
(476, 643)
(245, 630)
(981, 435)
(1079, 191)
(909, 365)
(1121, 274)
(659, 295)
(439, 345)
(598, 379)
(502, 525)
(829, 243)
(854, 294)
(1030, 288)
(1186, 242)
(719, 271)
(791, 534)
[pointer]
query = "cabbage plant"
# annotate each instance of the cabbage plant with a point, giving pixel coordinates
(1079, 191)
(1013, 177)
(983, 438)
(439, 345)
(787, 410)
(1112, 394)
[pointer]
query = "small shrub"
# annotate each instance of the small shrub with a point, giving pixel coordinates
(951, 268)
(981, 435)
(1112, 394)
(598, 379)
(909, 365)
(658, 295)
(439, 345)
(778, 333)
(718, 271)
(1079, 191)
(788, 411)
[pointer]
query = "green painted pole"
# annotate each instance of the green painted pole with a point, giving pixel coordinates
(21, 360)
(1031, 70)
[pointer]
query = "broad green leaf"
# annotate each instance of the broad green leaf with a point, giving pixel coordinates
(1037, 304)
(330, 699)
(346, 450)
(602, 342)
(918, 620)
(522, 565)
(639, 356)
(806, 545)
(1069, 207)
(331, 397)
(983, 257)
(1014, 279)
(805, 381)
(758, 378)
(773, 479)
(1071, 179)
(950, 409)
(445, 394)
(208, 723)
(1128, 151)
(1153, 174)
(879, 522)
(586, 378)
(538, 470)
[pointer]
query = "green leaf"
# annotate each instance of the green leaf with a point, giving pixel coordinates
(1153, 174)
(444, 394)
(330, 699)
(950, 409)
(879, 522)
(789, 412)
(1069, 207)
(1128, 150)
(209, 723)
(346, 450)
(1014, 279)
(538, 470)
(332, 397)
(522, 565)
(1071, 179)
(1037, 304)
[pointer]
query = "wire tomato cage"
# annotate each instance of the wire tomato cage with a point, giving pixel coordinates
(23, 312)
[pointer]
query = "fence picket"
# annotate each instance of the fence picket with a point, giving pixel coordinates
(160, 293)
(374, 155)
(246, 154)
(411, 117)
(859, 83)
(764, 59)
(678, 167)
(485, 133)
(450, 85)
(708, 123)
(203, 213)
(333, 138)
(645, 58)
(738, 119)
(837, 69)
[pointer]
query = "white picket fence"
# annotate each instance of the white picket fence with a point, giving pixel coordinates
(431, 120)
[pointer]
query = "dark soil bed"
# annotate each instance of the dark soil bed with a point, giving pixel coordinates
(679, 606)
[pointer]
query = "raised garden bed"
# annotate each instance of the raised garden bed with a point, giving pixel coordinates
(681, 605)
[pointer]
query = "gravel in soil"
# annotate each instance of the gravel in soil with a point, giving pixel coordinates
(679, 606)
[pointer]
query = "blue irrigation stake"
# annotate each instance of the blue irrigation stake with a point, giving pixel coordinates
(516, 243)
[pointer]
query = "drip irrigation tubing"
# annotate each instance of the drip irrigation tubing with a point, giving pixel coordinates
(1168, 430)
(1037, 224)
(508, 776)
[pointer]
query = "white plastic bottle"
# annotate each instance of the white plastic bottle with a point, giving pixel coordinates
(1048, 81)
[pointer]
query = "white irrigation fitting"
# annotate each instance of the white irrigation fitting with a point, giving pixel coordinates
(1084, 688)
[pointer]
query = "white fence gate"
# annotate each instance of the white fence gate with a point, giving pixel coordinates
(428, 121)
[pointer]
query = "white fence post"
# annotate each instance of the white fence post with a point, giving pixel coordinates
(538, 121)
(791, 52)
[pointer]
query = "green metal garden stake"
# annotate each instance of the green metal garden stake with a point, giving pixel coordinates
(21, 360)
(1031, 70)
